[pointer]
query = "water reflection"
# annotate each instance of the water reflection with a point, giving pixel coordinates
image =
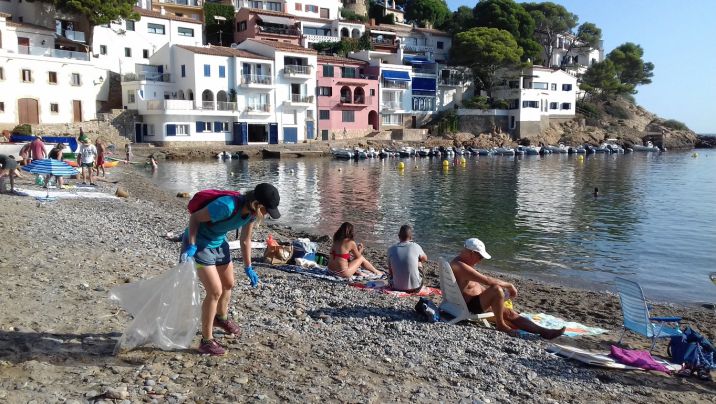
(538, 216)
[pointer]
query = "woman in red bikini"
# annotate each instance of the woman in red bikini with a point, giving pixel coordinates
(339, 261)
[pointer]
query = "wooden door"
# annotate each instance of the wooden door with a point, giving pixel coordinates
(77, 110)
(23, 45)
(27, 111)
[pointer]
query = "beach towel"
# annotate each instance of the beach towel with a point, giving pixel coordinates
(573, 329)
(318, 272)
(63, 194)
(601, 359)
(383, 286)
(638, 358)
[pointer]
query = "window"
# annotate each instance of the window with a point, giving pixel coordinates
(182, 129)
(553, 105)
(324, 114)
(75, 80)
(54, 108)
(299, 6)
(349, 116)
(348, 72)
(130, 97)
(145, 53)
(324, 134)
(441, 45)
(325, 13)
(155, 28)
(257, 4)
(177, 129)
(128, 52)
(513, 84)
(273, 6)
(26, 75)
(207, 70)
(327, 71)
(130, 25)
(372, 91)
(539, 86)
(224, 126)
(2, 107)
(553, 87)
(393, 119)
(222, 71)
(566, 87)
(202, 126)
(566, 105)
(186, 31)
(103, 49)
(52, 77)
(2, 73)
(242, 26)
(325, 91)
(183, 70)
(311, 9)
(530, 104)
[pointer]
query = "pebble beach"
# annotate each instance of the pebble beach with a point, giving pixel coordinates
(303, 339)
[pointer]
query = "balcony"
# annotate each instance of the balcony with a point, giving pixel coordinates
(359, 102)
(258, 80)
(392, 106)
(264, 109)
(419, 48)
(451, 81)
(52, 53)
(147, 76)
(298, 100)
(278, 30)
(297, 71)
(382, 42)
(321, 38)
(424, 70)
(77, 36)
(189, 3)
(225, 106)
(396, 85)
(163, 105)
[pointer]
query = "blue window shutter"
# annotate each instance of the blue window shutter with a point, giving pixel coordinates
(200, 126)
(222, 71)
(171, 129)
(207, 70)
(183, 70)
(217, 126)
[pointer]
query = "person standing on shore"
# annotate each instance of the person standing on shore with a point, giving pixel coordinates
(128, 150)
(405, 262)
(37, 149)
(483, 293)
(99, 145)
(86, 159)
(205, 240)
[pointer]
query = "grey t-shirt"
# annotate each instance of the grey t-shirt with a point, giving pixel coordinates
(403, 258)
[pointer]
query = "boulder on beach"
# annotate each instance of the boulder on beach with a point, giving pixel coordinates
(122, 193)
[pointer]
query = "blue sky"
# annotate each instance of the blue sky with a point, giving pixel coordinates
(677, 36)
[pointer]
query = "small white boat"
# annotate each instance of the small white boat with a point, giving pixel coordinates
(360, 154)
(342, 154)
(504, 151)
(648, 148)
(460, 151)
(371, 153)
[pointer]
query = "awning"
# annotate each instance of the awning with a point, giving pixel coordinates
(396, 75)
(423, 84)
(416, 60)
(272, 19)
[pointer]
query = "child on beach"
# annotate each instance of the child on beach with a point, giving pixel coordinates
(128, 151)
(340, 262)
(205, 240)
(99, 145)
(86, 159)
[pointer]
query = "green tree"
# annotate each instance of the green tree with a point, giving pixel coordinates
(427, 11)
(461, 20)
(99, 12)
(219, 32)
(601, 80)
(485, 51)
(588, 37)
(630, 68)
(513, 18)
(551, 21)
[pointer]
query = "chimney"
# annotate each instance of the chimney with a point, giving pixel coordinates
(162, 11)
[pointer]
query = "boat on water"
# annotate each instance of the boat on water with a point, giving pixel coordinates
(435, 152)
(561, 148)
(423, 152)
(371, 153)
(648, 148)
(528, 150)
(460, 151)
(360, 154)
(580, 149)
(504, 151)
(342, 154)
(406, 151)
(484, 152)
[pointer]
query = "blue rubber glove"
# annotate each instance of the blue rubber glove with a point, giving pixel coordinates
(188, 253)
(253, 277)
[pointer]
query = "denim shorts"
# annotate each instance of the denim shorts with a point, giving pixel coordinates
(218, 256)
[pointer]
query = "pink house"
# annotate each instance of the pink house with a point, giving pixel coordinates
(347, 98)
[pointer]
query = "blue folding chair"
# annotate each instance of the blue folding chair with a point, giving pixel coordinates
(636, 314)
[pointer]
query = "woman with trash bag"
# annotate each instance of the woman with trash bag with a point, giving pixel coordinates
(205, 241)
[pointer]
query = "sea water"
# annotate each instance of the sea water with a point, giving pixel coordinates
(652, 221)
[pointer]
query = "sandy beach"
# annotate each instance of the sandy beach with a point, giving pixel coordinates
(304, 339)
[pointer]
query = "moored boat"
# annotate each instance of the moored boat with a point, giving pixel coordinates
(648, 148)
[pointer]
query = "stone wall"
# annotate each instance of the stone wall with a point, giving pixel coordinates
(477, 124)
(347, 134)
(412, 135)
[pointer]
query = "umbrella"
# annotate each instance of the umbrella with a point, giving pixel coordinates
(57, 168)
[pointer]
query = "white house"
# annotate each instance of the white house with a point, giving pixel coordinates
(578, 58)
(295, 78)
(120, 45)
(43, 85)
(204, 94)
(324, 9)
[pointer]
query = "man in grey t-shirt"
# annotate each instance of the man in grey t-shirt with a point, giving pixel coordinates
(404, 262)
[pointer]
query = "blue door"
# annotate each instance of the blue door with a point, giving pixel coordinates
(240, 133)
(138, 132)
(309, 130)
(290, 135)
(273, 133)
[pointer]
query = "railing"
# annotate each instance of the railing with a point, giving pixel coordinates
(77, 36)
(205, 105)
(392, 105)
(403, 85)
(258, 108)
(193, 3)
(321, 38)
(147, 76)
(163, 105)
(225, 106)
(279, 31)
(384, 42)
(451, 82)
(296, 69)
(255, 79)
(52, 53)
(424, 70)
(302, 98)
(419, 48)
(360, 100)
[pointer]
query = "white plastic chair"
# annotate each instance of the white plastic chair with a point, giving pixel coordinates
(453, 302)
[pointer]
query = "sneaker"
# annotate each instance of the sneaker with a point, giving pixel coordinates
(229, 326)
(211, 347)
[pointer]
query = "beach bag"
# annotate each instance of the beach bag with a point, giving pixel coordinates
(278, 254)
(694, 351)
(304, 248)
(166, 309)
(203, 198)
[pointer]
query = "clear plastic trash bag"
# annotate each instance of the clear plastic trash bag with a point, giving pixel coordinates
(166, 309)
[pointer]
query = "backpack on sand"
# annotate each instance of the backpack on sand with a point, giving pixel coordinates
(205, 197)
(694, 351)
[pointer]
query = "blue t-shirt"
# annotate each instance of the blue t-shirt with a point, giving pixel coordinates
(214, 235)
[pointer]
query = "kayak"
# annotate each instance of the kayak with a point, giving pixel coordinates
(107, 164)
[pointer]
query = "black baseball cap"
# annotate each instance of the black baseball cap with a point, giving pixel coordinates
(267, 195)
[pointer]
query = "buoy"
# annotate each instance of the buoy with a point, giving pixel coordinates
(340, 169)
(580, 158)
(446, 163)
(695, 155)
(462, 160)
(401, 165)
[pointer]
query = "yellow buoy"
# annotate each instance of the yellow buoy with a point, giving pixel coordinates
(401, 165)
(580, 157)
(446, 163)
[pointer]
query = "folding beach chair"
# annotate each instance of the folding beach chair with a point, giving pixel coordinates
(453, 303)
(636, 314)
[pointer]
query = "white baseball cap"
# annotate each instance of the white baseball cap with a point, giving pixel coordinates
(474, 244)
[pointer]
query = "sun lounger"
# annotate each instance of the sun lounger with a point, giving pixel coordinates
(453, 303)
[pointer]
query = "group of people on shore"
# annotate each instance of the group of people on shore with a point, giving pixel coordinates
(204, 240)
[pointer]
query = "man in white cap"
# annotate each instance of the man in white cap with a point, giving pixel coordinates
(484, 293)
